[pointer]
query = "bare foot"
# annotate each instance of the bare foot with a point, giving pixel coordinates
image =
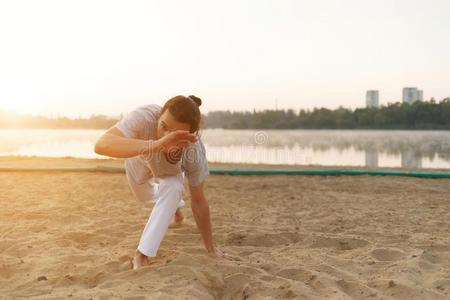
(177, 219)
(139, 260)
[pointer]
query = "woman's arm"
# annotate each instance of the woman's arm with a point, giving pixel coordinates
(200, 210)
(114, 144)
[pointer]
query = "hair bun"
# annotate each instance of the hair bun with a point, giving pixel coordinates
(197, 100)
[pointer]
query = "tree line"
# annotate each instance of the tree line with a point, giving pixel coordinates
(9, 120)
(419, 115)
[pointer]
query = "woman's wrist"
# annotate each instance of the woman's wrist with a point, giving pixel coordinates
(153, 146)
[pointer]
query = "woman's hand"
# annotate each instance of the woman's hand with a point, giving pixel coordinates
(218, 253)
(175, 140)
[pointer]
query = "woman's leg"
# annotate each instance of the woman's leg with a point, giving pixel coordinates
(145, 192)
(168, 198)
(138, 176)
(178, 219)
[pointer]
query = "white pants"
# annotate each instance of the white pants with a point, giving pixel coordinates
(166, 193)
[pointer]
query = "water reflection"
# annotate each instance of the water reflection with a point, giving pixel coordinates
(407, 149)
(411, 159)
(371, 158)
(378, 148)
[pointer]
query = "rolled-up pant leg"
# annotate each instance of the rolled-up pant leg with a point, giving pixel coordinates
(168, 197)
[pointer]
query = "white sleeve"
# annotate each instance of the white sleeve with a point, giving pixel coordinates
(195, 163)
(132, 124)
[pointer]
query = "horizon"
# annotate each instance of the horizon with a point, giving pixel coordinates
(15, 116)
(52, 116)
(236, 56)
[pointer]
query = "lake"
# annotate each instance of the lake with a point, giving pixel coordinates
(371, 148)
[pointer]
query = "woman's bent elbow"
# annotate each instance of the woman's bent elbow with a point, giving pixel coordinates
(100, 147)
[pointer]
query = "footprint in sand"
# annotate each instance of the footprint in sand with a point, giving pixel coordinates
(387, 254)
(234, 285)
(338, 243)
(297, 274)
(355, 289)
(80, 237)
(263, 240)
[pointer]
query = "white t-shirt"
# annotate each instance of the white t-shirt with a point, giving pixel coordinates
(142, 123)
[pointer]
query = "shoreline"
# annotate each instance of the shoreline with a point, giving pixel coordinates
(37, 162)
(249, 129)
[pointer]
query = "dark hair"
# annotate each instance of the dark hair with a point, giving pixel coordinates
(185, 110)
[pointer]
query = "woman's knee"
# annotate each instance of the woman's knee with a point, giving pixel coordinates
(144, 192)
(172, 182)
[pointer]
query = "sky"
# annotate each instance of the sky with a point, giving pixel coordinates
(77, 58)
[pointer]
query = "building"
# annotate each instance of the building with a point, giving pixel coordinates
(372, 99)
(411, 95)
(419, 95)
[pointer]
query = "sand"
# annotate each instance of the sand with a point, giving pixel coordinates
(292, 237)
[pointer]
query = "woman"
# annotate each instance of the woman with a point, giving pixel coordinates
(159, 144)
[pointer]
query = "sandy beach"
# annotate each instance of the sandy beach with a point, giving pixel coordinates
(69, 234)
